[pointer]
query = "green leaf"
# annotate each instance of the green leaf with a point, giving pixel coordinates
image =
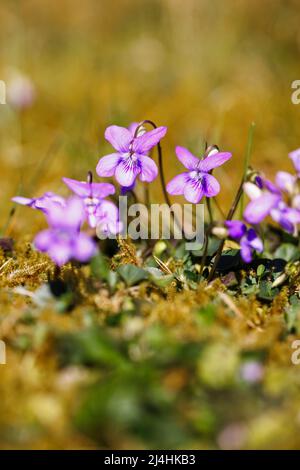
(260, 270)
(158, 277)
(100, 267)
(266, 292)
(132, 274)
(288, 252)
(213, 245)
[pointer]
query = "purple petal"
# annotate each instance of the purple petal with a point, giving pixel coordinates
(187, 158)
(295, 157)
(44, 202)
(85, 189)
(149, 169)
(133, 127)
(246, 251)
(107, 210)
(25, 201)
(285, 181)
(258, 209)
(210, 185)
(43, 240)
(293, 215)
(81, 188)
(74, 213)
(102, 190)
(177, 184)
(126, 189)
(69, 217)
(283, 221)
(119, 137)
(147, 141)
(193, 190)
(236, 228)
(259, 181)
(107, 165)
(213, 161)
(271, 187)
(108, 218)
(254, 241)
(285, 216)
(92, 219)
(84, 248)
(127, 171)
(60, 251)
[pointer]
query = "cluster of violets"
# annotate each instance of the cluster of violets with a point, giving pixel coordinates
(280, 201)
(64, 240)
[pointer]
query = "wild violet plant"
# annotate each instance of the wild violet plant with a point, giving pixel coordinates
(131, 158)
(64, 240)
(198, 180)
(246, 237)
(98, 210)
(41, 203)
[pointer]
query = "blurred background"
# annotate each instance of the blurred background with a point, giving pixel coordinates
(204, 68)
(159, 373)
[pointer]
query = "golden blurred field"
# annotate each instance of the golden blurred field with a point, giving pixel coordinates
(150, 359)
(206, 69)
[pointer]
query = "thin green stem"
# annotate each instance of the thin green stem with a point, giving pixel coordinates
(161, 170)
(8, 221)
(238, 198)
(210, 211)
(247, 161)
(205, 248)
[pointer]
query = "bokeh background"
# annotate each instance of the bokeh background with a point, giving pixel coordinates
(204, 68)
(159, 372)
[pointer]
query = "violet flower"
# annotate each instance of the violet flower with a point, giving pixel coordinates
(236, 229)
(41, 203)
(247, 239)
(285, 181)
(261, 204)
(92, 195)
(197, 181)
(264, 203)
(264, 183)
(63, 240)
(108, 219)
(287, 217)
(249, 243)
(130, 159)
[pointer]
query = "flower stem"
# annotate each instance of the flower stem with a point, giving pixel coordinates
(209, 209)
(207, 234)
(160, 160)
(247, 161)
(161, 169)
(89, 177)
(205, 248)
